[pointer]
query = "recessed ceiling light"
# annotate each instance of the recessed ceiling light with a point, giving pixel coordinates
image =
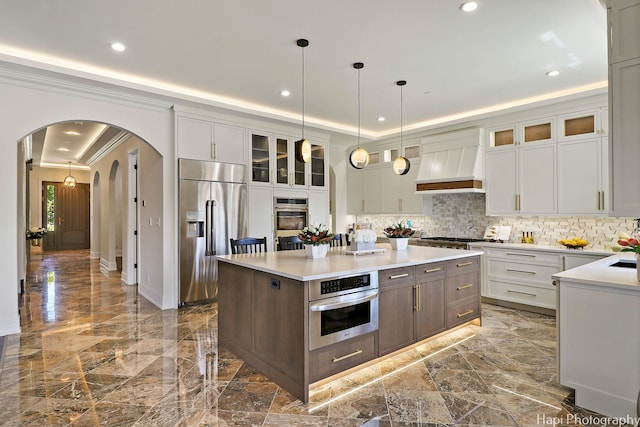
(285, 93)
(553, 73)
(72, 132)
(381, 119)
(118, 47)
(469, 6)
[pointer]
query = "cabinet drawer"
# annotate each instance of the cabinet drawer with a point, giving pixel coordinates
(396, 276)
(527, 256)
(462, 312)
(463, 286)
(519, 272)
(524, 294)
(426, 272)
(462, 265)
(338, 357)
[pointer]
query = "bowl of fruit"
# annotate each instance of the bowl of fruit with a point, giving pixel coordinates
(575, 243)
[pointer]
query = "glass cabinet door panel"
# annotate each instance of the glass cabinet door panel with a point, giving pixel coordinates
(580, 125)
(259, 158)
(412, 152)
(298, 168)
(317, 166)
(540, 132)
(503, 137)
(282, 161)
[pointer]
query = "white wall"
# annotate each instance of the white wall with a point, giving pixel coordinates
(29, 104)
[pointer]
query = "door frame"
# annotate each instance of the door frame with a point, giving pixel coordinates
(130, 268)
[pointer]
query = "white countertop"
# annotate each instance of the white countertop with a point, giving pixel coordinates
(547, 248)
(295, 264)
(601, 273)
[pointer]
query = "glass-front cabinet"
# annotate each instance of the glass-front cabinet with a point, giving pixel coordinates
(535, 131)
(274, 162)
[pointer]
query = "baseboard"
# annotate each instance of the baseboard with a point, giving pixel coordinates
(150, 296)
(94, 254)
(106, 266)
(518, 306)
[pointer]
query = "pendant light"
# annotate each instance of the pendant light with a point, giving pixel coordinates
(401, 164)
(303, 146)
(359, 158)
(69, 180)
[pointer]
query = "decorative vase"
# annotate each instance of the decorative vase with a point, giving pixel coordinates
(399, 244)
(316, 251)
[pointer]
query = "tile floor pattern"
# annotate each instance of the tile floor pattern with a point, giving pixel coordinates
(94, 352)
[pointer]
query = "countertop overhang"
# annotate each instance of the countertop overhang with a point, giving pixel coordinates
(601, 273)
(295, 264)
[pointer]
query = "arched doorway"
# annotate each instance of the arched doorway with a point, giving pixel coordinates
(96, 216)
(115, 230)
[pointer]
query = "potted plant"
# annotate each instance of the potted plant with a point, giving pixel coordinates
(316, 238)
(398, 235)
(631, 244)
(35, 234)
(362, 240)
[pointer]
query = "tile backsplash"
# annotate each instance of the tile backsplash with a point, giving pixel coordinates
(463, 215)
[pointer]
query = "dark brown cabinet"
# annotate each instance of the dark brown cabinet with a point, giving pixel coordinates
(463, 291)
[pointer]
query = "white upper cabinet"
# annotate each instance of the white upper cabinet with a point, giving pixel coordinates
(624, 19)
(624, 106)
(501, 182)
(522, 133)
(206, 140)
(536, 178)
(583, 124)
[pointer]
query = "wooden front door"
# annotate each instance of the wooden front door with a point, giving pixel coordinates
(66, 216)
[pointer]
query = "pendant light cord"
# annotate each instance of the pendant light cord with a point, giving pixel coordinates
(303, 93)
(401, 121)
(358, 107)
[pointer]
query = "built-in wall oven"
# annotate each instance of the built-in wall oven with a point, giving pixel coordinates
(290, 215)
(342, 307)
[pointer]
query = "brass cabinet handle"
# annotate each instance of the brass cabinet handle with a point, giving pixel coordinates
(416, 294)
(521, 271)
(398, 276)
(346, 356)
(466, 313)
(432, 270)
(459, 288)
(517, 254)
(462, 264)
(522, 293)
(213, 150)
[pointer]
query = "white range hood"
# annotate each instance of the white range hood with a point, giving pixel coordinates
(452, 162)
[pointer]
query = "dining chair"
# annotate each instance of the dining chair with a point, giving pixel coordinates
(337, 240)
(248, 245)
(289, 243)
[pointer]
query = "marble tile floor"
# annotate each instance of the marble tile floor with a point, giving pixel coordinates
(93, 352)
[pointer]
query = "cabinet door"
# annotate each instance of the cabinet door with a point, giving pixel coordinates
(576, 126)
(537, 131)
(319, 207)
(261, 213)
(430, 315)
(282, 172)
(503, 136)
(228, 144)
(536, 178)
(579, 189)
(395, 311)
(624, 149)
(195, 138)
(372, 194)
(355, 191)
(260, 158)
(625, 36)
(319, 166)
(399, 191)
(500, 181)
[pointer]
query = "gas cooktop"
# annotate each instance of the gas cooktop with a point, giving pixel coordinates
(454, 239)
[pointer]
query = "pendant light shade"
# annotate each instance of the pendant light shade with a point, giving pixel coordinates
(359, 158)
(303, 146)
(69, 180)
(401, 164)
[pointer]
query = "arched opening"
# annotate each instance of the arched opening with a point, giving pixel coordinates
(96, 217)
(114, 251)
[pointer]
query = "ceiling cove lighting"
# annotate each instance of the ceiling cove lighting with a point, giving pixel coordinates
(69, 180)
(469, 6)
(401, 164)
(303, 146)
(359, 158)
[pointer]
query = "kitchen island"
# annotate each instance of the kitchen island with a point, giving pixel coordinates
(299, 320)
(598, 321)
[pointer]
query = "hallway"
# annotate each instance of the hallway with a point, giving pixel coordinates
(93, 352)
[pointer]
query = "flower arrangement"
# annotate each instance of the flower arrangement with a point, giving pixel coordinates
(398, 231)
(315, 234)
(36, 233)
(629, 244)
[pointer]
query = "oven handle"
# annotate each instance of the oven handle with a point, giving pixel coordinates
(342, 303)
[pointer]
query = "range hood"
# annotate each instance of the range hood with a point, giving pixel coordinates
(452, 162)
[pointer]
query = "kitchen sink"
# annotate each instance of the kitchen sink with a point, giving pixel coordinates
(627, 263)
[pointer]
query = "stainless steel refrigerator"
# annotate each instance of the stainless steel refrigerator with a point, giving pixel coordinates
(212, 209)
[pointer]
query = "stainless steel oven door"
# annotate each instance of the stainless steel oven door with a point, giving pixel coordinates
(289, 221)
(339, 318)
